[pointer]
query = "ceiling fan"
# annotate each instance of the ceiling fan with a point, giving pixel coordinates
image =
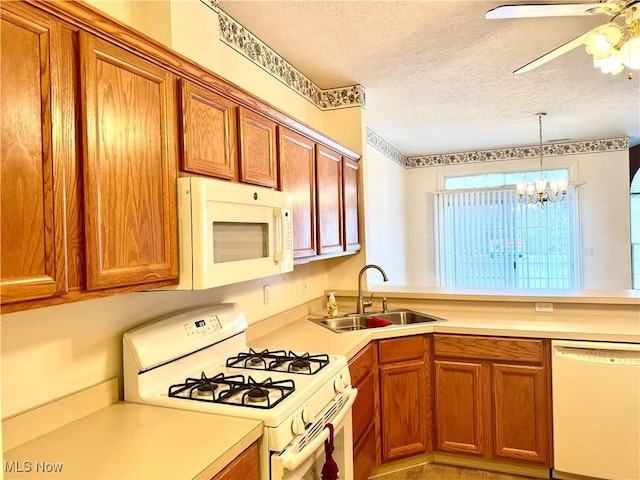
(613, 45)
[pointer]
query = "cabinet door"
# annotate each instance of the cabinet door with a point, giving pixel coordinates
(350, 195)
(462, 413)
(297, 177)
(364, 454)
(257, 141)
(32, 245)
(404, 389)
(129, 128)
(245, 467)
(329, 195)
(520, 410)
(209, 132)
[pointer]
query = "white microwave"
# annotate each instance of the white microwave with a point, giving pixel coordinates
(231, 232)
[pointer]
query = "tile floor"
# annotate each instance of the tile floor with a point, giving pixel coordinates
(446, 472)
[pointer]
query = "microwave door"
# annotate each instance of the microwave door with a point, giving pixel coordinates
(238, 243)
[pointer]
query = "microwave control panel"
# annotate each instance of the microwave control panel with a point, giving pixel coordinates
(201, 326)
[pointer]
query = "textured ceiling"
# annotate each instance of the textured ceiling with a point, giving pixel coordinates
(438, 75)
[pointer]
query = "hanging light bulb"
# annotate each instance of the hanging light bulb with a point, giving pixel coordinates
(542, 191)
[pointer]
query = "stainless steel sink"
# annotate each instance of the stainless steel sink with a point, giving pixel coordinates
(350, 323)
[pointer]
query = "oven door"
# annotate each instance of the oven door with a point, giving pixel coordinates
(306, 463)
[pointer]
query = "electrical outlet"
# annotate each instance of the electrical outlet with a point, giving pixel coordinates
(266, 293)
(544, 307)
(305, 286)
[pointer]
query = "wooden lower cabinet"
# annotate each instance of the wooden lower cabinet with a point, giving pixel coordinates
(494, 400)
(520, 412)
(461, 397)
(405, 392)
(364, 454)
(245, 467)
(363, 369)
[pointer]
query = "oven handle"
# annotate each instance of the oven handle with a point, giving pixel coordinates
(294, 460)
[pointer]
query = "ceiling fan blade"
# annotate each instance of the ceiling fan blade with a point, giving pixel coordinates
(557, 10)
(555, 53)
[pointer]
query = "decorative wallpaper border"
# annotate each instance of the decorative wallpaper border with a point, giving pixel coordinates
(550, 150)
(379, 144)
(247, 44)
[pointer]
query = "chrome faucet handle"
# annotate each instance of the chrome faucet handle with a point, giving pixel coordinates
(385, 308)
(367, 303)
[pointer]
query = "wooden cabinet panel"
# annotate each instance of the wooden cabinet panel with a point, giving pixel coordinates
(520, 404)
(363, 407)
(350, 194)
(462, 402)
(297, 177)
(257, 141)
(129, 170)
(33, 248)
(329, 200)
(245, 467)
(404, 389)
(402, 348)
(489, 348)
(364, 455)
(489, 408)
(362, 364)
(209, 132)
(363, 369)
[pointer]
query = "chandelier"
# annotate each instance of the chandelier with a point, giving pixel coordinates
(542, 191)
(613, 46)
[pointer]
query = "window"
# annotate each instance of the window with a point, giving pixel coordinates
(487, 239)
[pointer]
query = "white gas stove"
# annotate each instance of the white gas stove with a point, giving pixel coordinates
(198, 360)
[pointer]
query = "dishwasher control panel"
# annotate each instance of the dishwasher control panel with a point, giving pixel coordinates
(603, 356)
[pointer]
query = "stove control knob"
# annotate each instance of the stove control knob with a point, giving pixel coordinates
(308, 415)
(339, 384)
(297, 426)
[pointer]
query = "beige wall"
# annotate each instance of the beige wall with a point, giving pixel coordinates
(385, 217)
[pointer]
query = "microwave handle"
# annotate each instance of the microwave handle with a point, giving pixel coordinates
(294, 460)
(279, 228)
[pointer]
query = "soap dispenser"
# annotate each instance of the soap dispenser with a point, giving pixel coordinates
(332, 306)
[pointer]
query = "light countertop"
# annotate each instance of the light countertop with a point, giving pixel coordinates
(305, 335)
(128, 440)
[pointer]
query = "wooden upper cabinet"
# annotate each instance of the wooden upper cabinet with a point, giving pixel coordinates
(129, 124)
(297, 177)
(329, 200)
(32, 244)
(257, 144)
(350, 195)
(209, 133)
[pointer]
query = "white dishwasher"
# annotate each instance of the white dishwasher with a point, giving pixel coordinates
(596, 409)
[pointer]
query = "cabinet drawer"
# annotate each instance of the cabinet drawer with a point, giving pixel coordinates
(404, 348)
(488, 348)
(361, 364)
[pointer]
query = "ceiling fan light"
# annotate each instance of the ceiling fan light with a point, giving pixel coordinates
(611, 63)
(630, 52)
(598, 45)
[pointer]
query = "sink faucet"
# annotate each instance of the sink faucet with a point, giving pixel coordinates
(362, 303)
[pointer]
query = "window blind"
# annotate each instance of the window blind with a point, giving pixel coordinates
(488, 239)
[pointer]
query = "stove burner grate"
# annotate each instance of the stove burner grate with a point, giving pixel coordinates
(279, 360)
(233, 390)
